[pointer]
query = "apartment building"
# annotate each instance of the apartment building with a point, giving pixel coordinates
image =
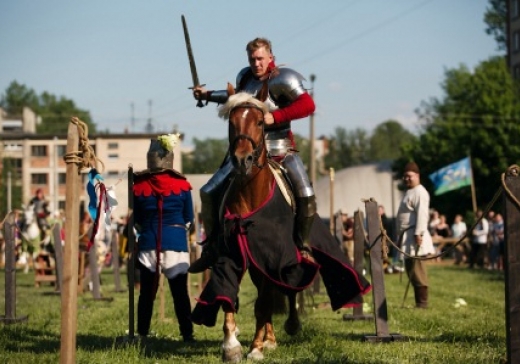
(38, 160)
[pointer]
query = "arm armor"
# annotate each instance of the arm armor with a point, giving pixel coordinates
(286, 86)
(218, 96)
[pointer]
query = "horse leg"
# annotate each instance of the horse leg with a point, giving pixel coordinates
(264, 334)
(231, 347)
(292, 325)
(269, 338)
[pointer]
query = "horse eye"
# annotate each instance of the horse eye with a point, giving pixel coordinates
(260, 122)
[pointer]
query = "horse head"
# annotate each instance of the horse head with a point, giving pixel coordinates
(30, 230)
(245, 114)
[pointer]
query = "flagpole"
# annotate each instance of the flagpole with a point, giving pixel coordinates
(473, 194)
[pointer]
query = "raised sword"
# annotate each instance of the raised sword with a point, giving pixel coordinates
(193, 67)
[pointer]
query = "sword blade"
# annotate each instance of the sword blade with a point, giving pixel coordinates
(193, 67)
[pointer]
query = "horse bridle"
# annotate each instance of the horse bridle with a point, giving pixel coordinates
(257, 149)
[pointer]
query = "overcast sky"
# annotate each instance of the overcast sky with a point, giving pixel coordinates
(373, 60)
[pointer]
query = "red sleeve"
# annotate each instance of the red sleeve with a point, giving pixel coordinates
(302, 107)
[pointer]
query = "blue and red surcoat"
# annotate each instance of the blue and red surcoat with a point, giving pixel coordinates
(163, 207)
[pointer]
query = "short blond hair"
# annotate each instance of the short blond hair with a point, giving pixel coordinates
(259, 43)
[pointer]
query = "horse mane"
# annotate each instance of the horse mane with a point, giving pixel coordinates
(238, 99)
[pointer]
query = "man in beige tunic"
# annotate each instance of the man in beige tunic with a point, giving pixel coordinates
(413, 215)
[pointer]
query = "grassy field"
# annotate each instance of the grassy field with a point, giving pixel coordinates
(443, 333)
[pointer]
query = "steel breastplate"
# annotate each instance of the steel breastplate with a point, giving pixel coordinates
(253, 87)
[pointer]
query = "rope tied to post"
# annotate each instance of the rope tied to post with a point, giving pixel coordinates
(513, 170)
(85, 156)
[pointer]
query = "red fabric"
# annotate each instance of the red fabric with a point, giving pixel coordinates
(160, 183)
(302, 107)
(158, 247)
(103, 198)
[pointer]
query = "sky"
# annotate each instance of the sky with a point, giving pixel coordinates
(373, 60)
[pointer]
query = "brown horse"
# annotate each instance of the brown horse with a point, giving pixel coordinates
(257, 232)
(250, 188)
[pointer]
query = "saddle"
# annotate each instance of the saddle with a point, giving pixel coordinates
(283, 182)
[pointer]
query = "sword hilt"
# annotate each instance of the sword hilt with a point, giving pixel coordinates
(199, 102)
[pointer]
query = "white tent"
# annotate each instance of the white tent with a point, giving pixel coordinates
(354, 184)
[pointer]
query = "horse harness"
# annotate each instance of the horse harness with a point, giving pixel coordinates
(257, 149)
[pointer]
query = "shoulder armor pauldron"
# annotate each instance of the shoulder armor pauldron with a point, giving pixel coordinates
(286, 85)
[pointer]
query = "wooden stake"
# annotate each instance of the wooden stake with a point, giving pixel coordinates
(69, 296)
(512, 263)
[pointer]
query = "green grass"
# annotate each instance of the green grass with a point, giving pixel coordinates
(441, 334)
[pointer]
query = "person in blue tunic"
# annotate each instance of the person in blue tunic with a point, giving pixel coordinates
(163, 212)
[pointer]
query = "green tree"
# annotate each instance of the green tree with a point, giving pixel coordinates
(348, 148)
(9, 168)
(479, 116)
(54, 111)
(206, 157)
(16, 97)
(495, 18)
(387, 139)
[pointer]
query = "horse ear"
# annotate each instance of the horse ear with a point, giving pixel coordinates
(230, 89)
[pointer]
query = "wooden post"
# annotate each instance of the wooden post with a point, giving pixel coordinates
(131, 255)
(512, 262)
(115, 261)
(69, 296)
(359, 257)
(338, 227)
(331, 197)
(378, 282)
(10, 272)
(58, 253)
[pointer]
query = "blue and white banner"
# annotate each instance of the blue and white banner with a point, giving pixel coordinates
(452, 177)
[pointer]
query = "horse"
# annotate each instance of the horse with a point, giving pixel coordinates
(258, 237)
(34, 238)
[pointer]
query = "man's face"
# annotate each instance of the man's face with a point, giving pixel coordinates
(411, 179)
(259, 60)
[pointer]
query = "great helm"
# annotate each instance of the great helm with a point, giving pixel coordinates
(160, 153)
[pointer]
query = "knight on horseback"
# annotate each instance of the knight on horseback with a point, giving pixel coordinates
(287, 100)
(41, 211)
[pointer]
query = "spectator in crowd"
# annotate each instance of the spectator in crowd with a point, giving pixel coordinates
(496, 250)
(491, 219)
(442, 229)
(479, 241)
(348, 236)
(434, 220)
(459, 229)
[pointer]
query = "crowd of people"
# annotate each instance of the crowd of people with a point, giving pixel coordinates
(483, 246)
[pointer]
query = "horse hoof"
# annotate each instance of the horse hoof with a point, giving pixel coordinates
(232, 355)
(270, 345)
(255, 354)
(292, 327)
